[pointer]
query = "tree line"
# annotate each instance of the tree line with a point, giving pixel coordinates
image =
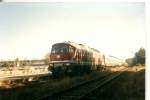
(139, 58)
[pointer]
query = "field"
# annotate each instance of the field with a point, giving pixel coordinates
(130, 86)
(39, 89)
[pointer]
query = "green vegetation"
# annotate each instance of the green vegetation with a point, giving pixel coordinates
(139, 58)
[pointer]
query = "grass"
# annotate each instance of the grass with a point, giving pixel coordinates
(33, 91)
(130, 86)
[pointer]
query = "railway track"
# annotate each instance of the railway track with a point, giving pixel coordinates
(81, 90)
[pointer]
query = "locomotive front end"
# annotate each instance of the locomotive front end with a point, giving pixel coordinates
(61, 58)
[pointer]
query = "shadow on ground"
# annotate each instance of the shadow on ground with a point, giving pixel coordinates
(130, 86)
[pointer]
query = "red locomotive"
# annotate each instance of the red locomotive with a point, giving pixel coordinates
(69, 57)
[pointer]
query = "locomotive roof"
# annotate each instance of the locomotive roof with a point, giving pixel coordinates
(79, 46)
(82, 46)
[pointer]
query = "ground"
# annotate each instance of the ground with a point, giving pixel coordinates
(130, 86)
(36, 90)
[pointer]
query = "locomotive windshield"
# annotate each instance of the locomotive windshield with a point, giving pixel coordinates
(60, 49)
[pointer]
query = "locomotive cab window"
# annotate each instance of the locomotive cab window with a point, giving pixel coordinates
(60, 49)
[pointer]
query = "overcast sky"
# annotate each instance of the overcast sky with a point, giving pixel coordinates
(28, 30)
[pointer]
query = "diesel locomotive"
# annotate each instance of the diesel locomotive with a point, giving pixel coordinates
(72, 58)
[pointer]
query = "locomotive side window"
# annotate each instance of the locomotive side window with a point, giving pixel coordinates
(71, 49)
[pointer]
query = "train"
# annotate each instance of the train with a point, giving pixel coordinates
(72, 58)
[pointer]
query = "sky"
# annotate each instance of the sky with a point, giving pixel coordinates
(28, 30)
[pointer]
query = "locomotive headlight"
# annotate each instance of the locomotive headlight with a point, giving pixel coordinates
(58, 56)
(50, 64)
(68, 64)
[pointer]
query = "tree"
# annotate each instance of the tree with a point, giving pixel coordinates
(46, 58)
(129, 61)
(139, 57)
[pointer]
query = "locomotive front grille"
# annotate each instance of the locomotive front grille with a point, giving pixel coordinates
(58, 64)
(61, 63)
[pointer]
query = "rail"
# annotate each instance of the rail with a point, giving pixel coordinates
(79, 91)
